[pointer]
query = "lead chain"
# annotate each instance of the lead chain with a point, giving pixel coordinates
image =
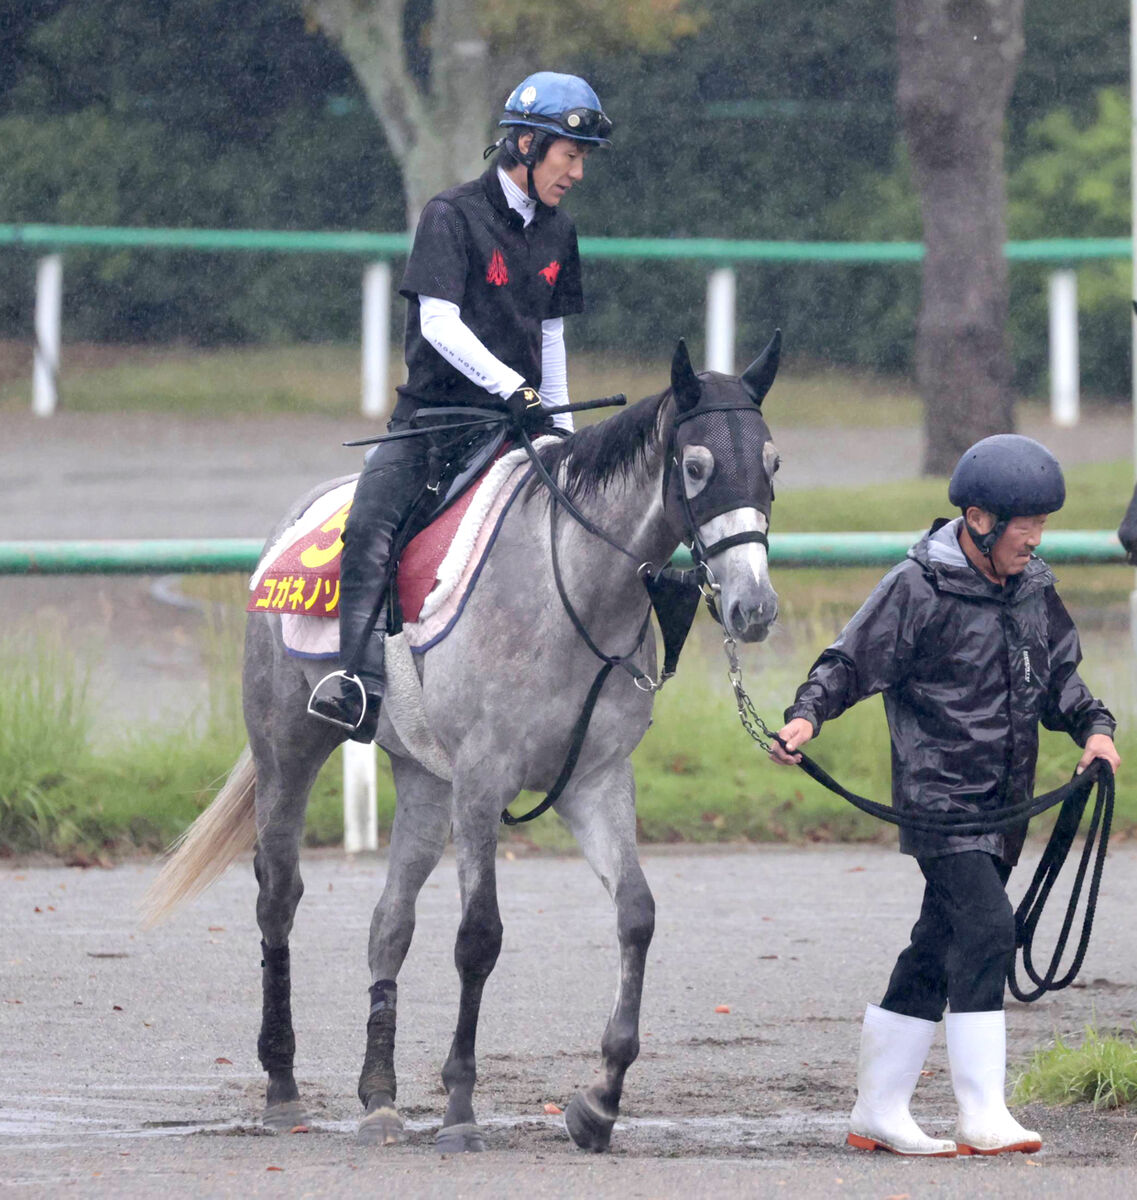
(747, 713)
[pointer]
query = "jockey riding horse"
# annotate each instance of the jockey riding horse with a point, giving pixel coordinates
(493, 271)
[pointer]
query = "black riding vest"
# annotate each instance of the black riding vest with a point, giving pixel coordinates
(473, 250)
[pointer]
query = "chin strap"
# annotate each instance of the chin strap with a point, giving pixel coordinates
(985, 542)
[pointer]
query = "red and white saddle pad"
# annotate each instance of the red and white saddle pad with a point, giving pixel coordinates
(298, 576)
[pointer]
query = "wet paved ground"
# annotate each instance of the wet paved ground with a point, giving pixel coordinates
(129, 1064)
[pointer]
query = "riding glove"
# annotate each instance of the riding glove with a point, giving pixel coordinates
(525, 408)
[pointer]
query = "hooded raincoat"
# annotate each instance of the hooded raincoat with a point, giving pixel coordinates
(967, 669)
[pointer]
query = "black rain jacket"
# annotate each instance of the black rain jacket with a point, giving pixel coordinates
(968, 669)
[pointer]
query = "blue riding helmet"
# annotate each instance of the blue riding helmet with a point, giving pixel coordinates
(561, 105)
(1010, 476)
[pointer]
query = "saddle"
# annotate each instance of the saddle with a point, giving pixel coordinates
(298, 576)
(433, 522)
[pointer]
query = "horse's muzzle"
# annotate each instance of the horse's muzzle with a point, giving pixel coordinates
(750, 620)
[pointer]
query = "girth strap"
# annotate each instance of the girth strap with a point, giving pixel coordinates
(609, 661)
(579, 733)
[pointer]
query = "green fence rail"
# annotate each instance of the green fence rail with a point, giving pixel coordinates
(218, 555)
(386, 245)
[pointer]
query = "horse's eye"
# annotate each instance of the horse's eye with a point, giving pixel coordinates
(694, 470)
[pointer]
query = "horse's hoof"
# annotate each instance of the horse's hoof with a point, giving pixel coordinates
(590, 1128)
(381, 1127)
(282, 1117)
(459, 1139)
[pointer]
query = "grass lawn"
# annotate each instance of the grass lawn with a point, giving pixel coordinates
(325, 378)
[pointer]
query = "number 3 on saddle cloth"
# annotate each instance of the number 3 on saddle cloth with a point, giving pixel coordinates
(298, 576)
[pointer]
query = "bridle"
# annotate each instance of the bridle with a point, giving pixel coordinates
(701, 553)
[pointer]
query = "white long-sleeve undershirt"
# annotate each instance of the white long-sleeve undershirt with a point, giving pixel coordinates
(442, 326)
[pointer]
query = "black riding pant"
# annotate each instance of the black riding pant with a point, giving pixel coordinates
(963, 943)
(393, 476)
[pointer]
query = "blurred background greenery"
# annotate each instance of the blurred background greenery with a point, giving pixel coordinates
(771, 120)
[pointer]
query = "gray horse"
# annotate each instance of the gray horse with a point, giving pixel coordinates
(502, 693)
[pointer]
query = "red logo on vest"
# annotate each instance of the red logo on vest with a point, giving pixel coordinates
(496, 273)
(549, 274)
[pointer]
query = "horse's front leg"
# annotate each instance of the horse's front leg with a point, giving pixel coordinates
(600, 810)
(475, 955)
(418, 837)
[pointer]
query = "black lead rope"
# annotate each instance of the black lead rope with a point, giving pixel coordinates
(1072, 796)
(1030, 908)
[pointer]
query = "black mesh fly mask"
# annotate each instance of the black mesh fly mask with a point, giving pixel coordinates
(720, 457)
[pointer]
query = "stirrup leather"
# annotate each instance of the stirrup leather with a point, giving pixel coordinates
(348, 677)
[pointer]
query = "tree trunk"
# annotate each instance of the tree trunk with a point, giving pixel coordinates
(438, 119)
(958, 60)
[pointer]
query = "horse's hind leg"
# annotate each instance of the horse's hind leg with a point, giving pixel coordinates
(600, 810)
(418, 837)
(289, 748)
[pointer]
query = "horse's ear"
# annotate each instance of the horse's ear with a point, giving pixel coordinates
(758, 377)
(684, 382)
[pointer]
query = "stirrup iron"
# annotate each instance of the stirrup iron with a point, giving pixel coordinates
(348, 677)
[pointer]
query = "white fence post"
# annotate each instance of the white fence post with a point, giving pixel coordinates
(48, 319)
(1064, 348)
(376, 338)
(720, 320)
(360, 782)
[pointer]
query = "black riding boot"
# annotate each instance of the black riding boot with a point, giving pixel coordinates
(388, 487)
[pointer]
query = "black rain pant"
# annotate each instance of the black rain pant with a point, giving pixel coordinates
(963, 943)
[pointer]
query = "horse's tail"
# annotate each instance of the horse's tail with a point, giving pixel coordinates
(227, 828)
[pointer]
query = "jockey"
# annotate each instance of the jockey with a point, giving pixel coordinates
(493, 271)
(971, 647)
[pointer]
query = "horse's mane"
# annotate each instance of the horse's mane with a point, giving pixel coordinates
(596, 454)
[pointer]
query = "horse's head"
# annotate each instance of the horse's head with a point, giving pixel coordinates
(719, 484)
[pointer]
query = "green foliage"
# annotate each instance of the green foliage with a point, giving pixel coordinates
(575, 26)
(719, 786)
(1101, 1071)
(699, 777)
(66, 791)
(198, 115)
(1097, 494)
(311, 379)
(733, 119)
(1074, 181)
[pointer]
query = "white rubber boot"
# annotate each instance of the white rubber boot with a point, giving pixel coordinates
(977, 1051)
(893, 1050)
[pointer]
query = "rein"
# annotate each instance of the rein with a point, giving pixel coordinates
(1072, 796)
(643, 681)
